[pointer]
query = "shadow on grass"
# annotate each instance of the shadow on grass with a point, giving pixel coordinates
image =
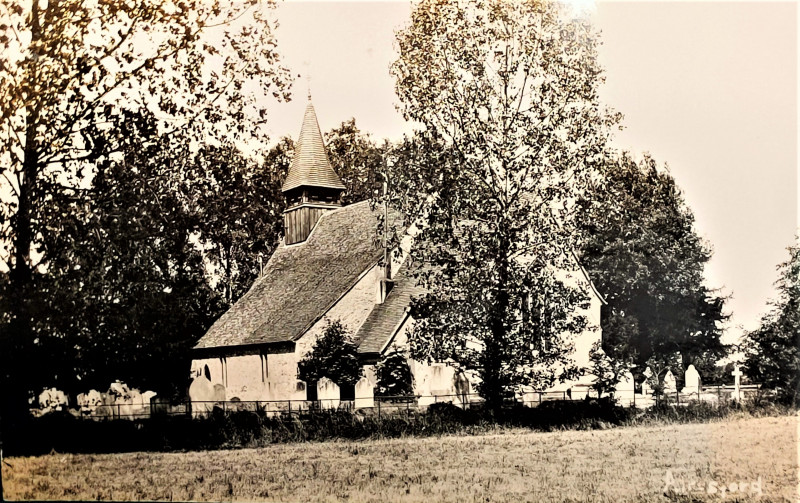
(224, 430)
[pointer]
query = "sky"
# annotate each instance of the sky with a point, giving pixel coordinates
(709, 88)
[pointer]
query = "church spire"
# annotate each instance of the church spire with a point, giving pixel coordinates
(311, 187)
(310, 166)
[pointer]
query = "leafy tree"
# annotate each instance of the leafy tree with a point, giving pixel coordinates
(68, 72)
(606, 370)
(643, 254)
(506, 94)
(239, 208)
(394, 375)
(334, 356)
(126, 288)
(773, 350)
(356, 159)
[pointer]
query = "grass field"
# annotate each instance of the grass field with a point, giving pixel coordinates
(620, 464)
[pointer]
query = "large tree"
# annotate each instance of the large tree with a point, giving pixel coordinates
(126, 293)
(240, 211)
(641, 249)
(773, 349)
(69, 70)
(356, 159)
(506, 96)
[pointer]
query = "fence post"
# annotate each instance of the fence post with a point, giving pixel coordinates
(119, 413)
(379, 409)
(677, 397)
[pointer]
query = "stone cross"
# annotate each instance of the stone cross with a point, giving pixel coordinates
(737, 374)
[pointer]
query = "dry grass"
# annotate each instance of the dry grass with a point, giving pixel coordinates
(621, 464)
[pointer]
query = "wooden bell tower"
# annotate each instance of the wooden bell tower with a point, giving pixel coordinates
(312, 187)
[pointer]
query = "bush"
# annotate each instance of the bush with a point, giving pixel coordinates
(233, 429)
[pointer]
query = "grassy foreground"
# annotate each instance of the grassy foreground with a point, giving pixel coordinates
(620, 464)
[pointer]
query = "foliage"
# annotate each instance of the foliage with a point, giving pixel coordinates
(127, 290)
(394, 375)
(506, 94)
(238, 207)
(606, 370)
(71, 75)
(773, 349)
(356, 159)
(644, 255)
(134, 276)
(334, 356)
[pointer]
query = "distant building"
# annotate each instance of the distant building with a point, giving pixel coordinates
(326, 269)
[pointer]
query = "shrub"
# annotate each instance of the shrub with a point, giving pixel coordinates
(394, 376)
(334, 356)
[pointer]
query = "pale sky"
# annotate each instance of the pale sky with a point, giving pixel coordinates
(709, 88)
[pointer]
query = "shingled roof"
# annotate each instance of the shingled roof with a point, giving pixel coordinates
(301, 282)
(310, 165)
(382, 323)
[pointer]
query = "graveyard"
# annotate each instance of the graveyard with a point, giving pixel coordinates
(741, 458)
(122, 402)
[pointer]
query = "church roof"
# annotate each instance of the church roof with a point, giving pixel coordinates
(386, 318)
(310, 164)
(301, 282)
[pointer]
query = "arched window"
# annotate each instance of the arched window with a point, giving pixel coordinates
(207, 372)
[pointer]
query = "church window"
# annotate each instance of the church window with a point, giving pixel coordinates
(264, 368)
(207, 372)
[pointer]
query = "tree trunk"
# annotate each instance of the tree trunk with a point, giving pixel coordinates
(18, 342)
(493, 385)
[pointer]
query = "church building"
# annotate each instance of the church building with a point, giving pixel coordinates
(326, 268)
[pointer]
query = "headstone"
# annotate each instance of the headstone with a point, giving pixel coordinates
(626, 390)
(328, 394)
(364, 394)
(737, 383)
(693, 384)
(669, 383)
(462, 388)
(201, 393)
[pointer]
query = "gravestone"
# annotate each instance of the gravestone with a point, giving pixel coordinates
(364, 394)
(646, 388)
(737, 383)
(328, 394)
(201, 393)
(669, 383)
(625, 388)
(693, 383)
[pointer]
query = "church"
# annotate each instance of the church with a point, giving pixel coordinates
(328, 268)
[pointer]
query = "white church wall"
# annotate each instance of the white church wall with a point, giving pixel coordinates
(244, 378)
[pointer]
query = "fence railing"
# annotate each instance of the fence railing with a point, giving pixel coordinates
(399, 404)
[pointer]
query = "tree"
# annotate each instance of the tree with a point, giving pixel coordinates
(356, 159)
(239, 207)
(606, 370)
(394, 375)
(644, 255)
(126, 293)
(68, 72)
(334, 356)
(773, 350)
(506, 94)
